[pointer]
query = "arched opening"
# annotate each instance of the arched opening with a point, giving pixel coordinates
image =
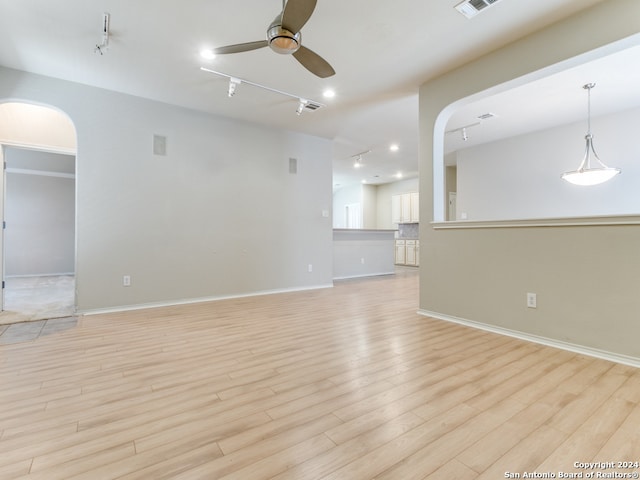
(38, 148)
(501, 151)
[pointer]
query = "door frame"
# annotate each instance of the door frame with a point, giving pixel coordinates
(3, 189)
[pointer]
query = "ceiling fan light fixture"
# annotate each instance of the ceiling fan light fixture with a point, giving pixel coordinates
(283, 41)
(284, 37)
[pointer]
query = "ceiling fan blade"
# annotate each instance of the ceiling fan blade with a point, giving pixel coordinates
(296, 13)
(240, 47)
(314, 62)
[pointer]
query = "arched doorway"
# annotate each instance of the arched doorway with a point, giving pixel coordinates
(38, 146)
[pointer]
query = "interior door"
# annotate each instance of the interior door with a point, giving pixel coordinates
(453, 197)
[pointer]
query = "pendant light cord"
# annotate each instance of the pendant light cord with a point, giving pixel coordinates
(588, 88)
(589, 110)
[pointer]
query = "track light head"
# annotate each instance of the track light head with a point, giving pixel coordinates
(233, 83)
(303, 103)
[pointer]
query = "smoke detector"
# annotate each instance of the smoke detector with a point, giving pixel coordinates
(470, 8)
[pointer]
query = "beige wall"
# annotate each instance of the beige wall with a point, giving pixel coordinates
(483, 274)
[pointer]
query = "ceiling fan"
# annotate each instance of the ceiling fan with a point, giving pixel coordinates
(284, 37)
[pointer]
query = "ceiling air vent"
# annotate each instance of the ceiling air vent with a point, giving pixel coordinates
(312, 106)
(470, 8)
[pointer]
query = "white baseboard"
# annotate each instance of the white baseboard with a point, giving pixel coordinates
(364, 275)
(188, 301)
(33, 275)
(550, 342)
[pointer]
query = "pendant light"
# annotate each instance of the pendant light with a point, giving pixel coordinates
(586, 174)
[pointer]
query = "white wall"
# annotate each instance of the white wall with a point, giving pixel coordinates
(218, 216)
(359, 253)
(369, 206)
(519, 177)
(40, 215)
(341, 198)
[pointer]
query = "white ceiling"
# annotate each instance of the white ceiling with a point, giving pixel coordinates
(381, 51)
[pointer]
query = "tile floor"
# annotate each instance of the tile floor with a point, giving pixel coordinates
(37, 306)
(38, 298)
(28, 331)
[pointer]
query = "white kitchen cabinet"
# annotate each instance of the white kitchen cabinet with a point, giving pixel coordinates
(405, 216)
(401, 253)
(410, 252)
(396, 209)
(415, 207)
(405, 208)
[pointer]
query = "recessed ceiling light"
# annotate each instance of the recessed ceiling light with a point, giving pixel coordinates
(364, 181)
(394, 147)
(329, 93)
(207, 54)
(398, 175)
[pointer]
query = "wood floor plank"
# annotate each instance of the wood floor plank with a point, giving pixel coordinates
(525, 455)
(624, 442)
(453, 469)
(283, 460)
(590, 437)
(348, 451)
(391, 453)
(161, 464)
(428, 457)
(344, 383)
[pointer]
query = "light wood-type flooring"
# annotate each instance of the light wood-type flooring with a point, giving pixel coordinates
(340, 383)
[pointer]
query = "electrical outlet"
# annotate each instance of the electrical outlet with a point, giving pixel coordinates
(126, 281)
(532, 300)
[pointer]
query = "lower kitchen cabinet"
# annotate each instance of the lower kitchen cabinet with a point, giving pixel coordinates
(410, 255)
(408, 252)
(401, 253)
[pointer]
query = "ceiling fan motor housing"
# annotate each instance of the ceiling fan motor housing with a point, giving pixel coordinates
(282, 40)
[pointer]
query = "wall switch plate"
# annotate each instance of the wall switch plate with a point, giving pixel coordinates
(310, 268)
(532, 300)
(362, 261)
(126, 281)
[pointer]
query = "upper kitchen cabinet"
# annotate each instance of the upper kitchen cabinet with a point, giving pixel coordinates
(405, 208)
